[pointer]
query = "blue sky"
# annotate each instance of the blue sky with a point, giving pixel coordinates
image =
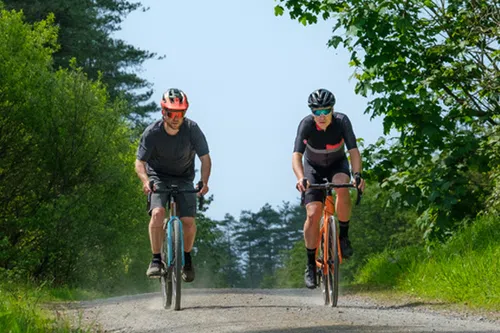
(247, 74)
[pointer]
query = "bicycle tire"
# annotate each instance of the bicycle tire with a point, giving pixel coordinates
(334, 263)
(324, 281)
(176, 274)
(165, 278)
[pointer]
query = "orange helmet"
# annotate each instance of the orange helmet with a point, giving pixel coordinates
(174, 99)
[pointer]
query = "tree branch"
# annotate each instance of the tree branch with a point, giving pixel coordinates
(477, 112)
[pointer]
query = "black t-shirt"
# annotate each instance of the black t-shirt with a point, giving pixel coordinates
(172, 155)
(324, 148)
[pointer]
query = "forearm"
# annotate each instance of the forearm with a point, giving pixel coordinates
(356, 164)
(140, 169)
(206, 167)
(297, 166)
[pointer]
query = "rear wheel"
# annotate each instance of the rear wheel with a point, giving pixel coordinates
(333, 263)
(176, 274)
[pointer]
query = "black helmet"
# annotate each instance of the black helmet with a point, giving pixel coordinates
(321, 98)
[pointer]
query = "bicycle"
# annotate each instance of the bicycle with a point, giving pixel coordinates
(328, 251)
(173, 246)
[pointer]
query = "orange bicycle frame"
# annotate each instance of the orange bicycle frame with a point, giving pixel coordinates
(328, 211)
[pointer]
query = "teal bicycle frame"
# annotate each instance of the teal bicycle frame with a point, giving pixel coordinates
(173, 246)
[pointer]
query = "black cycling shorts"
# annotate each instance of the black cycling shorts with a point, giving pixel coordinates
(185, 202)
(316, 175)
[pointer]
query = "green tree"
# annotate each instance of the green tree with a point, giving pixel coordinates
(69, 202)
(262, 239)
(432, 68)
(214, 257)
(85, 33)
(23, 73)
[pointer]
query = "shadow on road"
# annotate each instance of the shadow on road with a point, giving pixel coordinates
(213, 307)
(339, 329)
(393, 307)
(358, 328)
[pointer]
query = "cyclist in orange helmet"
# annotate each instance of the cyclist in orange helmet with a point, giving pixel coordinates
(166, 155)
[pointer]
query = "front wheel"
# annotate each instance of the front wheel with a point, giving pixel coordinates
(323, 277)
(333, 262)
(166, 283)
(178, 254)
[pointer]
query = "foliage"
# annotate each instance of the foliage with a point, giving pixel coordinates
(86, 31)
(67, 189)
(491, 149)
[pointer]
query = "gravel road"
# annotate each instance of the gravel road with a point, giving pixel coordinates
(269, 311)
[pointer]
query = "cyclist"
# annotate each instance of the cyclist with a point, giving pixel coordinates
(321, 137)
(166, 155)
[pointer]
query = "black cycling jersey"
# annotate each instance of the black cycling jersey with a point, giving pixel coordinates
(168, 155)
(324, 148)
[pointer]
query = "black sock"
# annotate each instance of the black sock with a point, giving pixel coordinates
(311, 256)
(344, 229)
(187, 257)
(157, 257)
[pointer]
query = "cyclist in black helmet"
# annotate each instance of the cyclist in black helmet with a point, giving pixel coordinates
(321, 138)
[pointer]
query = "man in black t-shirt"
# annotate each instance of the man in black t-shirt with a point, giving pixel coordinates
(166, 155)
(321, 138)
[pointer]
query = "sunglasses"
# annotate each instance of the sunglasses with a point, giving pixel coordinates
(322, 112)
(174, 114)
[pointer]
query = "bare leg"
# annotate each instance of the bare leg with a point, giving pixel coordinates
(156, 233)
(311, 225)
(343, 201)
(189, 230)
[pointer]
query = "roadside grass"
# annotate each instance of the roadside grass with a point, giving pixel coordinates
(465, 270)
(22, 312)
(26, 306)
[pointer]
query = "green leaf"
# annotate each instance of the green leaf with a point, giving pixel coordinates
(278, 10)
(335, 41)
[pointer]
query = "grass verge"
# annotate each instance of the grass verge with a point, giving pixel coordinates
(465, 270)
(24, 309)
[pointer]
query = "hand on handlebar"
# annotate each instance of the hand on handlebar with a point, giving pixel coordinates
(359, 182)
(302, 185)
(204, 188)
(147, 187)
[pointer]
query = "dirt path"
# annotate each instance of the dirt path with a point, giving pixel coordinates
(269, 311)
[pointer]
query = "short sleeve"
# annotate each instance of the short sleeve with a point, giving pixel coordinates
(199, 141)
(348, 133)
(301, 137)
(145, 147)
